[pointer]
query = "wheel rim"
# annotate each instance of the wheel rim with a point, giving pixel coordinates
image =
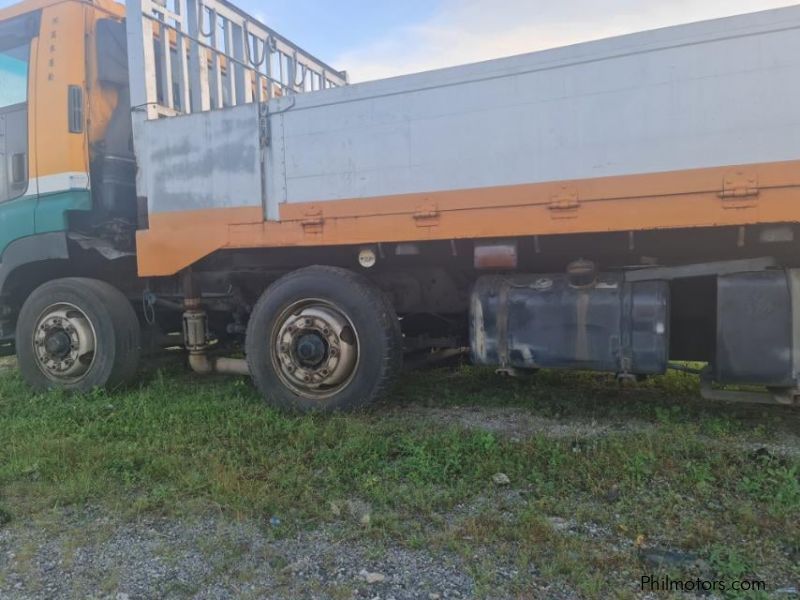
(64, 343)
(315, 349)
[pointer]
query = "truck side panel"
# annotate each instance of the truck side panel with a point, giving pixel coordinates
(699, 96)
(683, 127)
(208, 160)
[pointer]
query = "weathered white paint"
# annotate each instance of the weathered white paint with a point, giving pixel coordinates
(716, 93)
(200, 161)
(60, 182)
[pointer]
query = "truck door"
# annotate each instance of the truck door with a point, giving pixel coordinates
(17, 201)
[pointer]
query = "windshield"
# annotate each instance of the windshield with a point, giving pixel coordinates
(14, 76)
(15, 50)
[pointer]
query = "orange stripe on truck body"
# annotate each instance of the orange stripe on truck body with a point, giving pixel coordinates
(724, 196)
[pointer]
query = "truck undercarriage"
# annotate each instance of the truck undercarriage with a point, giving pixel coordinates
(216, 187)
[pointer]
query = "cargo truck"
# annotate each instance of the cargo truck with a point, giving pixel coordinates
(176, 173)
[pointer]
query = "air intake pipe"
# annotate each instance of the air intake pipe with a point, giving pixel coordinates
(195, 336)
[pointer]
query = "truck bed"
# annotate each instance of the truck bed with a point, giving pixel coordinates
(689, 126)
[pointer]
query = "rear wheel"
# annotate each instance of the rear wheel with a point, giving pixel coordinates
(323, 339)
(77, 334)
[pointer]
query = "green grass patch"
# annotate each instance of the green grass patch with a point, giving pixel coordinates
(677, 471)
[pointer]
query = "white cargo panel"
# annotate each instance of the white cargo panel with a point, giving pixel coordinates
(709, 94)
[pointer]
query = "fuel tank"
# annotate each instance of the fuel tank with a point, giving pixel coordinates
(553, 321)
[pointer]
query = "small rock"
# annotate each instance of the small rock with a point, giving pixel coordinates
(360, 511)
(613, 494)
(559, 524)
(297, 566)
(762, 454)
(122, 596)
(275, 522)
(336, 509)
(433, 596)
(501, 479)
(788, 591)
(658, 558)
(5, 517)
(372, 578)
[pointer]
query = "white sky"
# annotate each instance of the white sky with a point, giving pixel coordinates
(463, 31)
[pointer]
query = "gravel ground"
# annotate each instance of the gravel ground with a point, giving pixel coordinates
(89, 554)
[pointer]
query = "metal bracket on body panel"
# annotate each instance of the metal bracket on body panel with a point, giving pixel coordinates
(739, 190)
(502, 326)
(426, 216)
(564, 204)
(313, 222)
(263, 124)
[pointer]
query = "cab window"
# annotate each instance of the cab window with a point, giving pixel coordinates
(14, 76)
(15, 50)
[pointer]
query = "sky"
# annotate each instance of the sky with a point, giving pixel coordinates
(372, 39)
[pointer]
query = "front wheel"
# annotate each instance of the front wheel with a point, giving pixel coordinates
(77, 334)
(323, 339)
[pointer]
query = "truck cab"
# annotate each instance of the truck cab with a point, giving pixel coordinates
(67, 170)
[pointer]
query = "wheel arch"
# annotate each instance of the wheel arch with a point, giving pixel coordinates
(32, 261)
(23, 258)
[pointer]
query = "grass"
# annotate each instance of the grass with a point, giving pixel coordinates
(674, 471)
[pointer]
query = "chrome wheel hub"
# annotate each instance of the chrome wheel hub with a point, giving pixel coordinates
(316, 348)
(64, 342)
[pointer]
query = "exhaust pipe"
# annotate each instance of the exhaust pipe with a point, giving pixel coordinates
(202, 364)
(195, 337)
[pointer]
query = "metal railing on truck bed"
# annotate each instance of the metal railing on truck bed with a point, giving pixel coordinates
(192, 56)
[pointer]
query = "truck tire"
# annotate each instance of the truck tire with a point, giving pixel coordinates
(323, 339)
(77, 334)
